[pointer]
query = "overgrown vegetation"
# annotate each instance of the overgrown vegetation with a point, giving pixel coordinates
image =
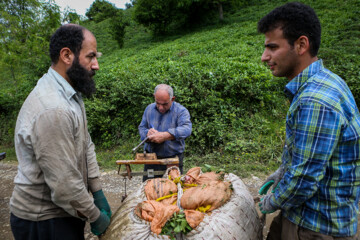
(237, 107)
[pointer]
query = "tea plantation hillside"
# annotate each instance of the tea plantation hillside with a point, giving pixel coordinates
(237, 107)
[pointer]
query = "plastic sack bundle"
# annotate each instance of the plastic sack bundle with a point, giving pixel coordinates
(235, 219)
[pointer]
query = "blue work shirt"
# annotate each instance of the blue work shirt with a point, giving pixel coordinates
(176, 121)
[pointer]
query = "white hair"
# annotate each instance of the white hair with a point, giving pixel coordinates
(165, 87)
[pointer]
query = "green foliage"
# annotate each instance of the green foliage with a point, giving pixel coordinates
(167, 16)
(104, 37)
(70, 16)
(24, 36)
(340, 47)
(101, 10)
(218, 83)
(209, 168)
(237, 107)
(25, 31)
(177, 224)
(110, 29)
(10, 153)
(157, 15)
(118, 25)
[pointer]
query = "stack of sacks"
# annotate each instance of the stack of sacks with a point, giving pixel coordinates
(215, 206)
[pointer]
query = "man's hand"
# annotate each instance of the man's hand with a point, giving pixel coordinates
(273, 179)
(160, 137)
(101, 224)
(101, 202)
(266, 205)
(151, 131)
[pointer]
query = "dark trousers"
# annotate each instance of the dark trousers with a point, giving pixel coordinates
(158, 167)
(282, 229)
(69, 228)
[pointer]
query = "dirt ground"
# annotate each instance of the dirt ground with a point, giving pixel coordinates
(113, 187)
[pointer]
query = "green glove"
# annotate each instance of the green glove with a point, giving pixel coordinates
(101, 202)
(265, 187)
(266, 206)
(273, 179)
(101, 224)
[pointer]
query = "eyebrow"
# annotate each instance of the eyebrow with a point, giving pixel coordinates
(270, 45)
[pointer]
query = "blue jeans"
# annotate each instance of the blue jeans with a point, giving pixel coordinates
(69, 228)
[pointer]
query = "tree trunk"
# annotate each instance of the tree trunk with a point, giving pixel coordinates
(14, 78)
(221, 13)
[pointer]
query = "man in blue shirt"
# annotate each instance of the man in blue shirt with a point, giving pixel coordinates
(317, 185)
(167, 124)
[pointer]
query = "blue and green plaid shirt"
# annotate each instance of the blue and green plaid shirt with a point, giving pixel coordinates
(320, 189)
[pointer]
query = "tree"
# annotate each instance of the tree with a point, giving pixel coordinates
(70, 16)
(162, 16)
(101, 10)
(158, 14)
(25, 30)
(118, 25)
(26, 26)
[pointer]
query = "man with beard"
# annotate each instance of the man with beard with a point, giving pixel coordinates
(57, 162)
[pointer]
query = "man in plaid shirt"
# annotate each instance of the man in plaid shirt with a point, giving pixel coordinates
(317, 186)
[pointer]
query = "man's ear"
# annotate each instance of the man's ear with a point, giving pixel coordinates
(173, 98)
(66, 56)
(302, 45)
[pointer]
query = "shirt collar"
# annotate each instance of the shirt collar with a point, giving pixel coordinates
(294, 85)
(67, 88)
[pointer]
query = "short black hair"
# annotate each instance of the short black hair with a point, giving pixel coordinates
(69, 35)
(295, 19)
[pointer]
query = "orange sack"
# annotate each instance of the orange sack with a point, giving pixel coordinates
(156, 213)
(173, 174)
(214, 193)
(194, 176)
(160, 187)
(193, 217)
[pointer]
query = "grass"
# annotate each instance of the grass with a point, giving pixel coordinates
(10, 154)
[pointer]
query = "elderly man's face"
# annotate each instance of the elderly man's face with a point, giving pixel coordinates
(163, 100)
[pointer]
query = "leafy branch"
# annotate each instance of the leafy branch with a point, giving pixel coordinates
(175, 225)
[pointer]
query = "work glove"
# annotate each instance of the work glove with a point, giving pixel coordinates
(101, 224)
(101, 202)
(266, 206)
(273, 179)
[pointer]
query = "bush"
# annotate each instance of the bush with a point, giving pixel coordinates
(218, 83)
